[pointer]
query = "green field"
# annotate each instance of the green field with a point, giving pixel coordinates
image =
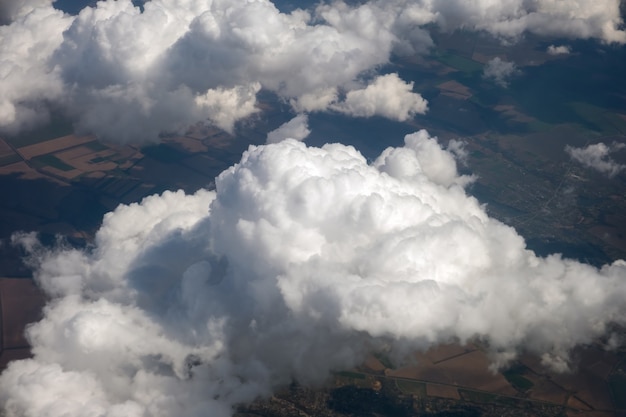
(516, 378)
(51, 160)
(164, 153)
(350, 374)
(477, 397)
(9, 159)
(617, 384)
(98, 159)
(412, 387)
(458, 62)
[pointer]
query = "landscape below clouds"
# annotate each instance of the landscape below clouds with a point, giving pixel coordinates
(219, 199)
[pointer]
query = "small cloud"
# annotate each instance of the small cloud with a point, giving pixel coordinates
(387, 96)
(297, 128)
(597, 156)
(559, 50)
(500, 71)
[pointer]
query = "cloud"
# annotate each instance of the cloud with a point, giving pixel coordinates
(510, 19)
(500, 71)
(302, 261)
(297, 128)
(386, 96)
(130, 74)
(597, 156)
(559, 50)
(14, 9)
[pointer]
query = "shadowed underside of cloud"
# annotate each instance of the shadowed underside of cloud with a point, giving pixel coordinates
(302, 261)
(127, 74)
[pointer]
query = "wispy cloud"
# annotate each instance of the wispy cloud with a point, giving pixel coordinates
(500, 71)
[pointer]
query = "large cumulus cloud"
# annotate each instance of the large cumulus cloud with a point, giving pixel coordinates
(131, 74)
(302, 261)
(126, 74)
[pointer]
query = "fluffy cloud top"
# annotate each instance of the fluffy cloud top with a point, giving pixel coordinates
(302, 261)
(127, 74)
(511, 18)
(597, 156)
(386, 96)
(500, 71)
(297, 128)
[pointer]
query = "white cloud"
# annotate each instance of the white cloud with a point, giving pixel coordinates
(597, 156)
(297, 128)
(511, 18)
(500, 71)
(386, 96)
(300, 262)
(128, 75)
(11, 10)
(559, 50)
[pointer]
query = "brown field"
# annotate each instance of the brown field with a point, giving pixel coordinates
(53, 145)
(218, 139)
(445, 352)
(20, 304)
(513, 113)
(5, 149)
(546, 390)
(574, 402)
(25, 172)
(469, 369)
(587, 382)
(59, 173)
(442, 391)
(455, 89)
(191, 144)
(587, 387)
(374, 364)
(81, 158)
(68, 155)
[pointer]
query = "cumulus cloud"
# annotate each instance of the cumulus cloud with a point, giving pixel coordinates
(500, 71)
(559, 50)
(14, 9)
(297, 128)
(302, 261)
(129, 74)
(510, 19)
(386, 96)
(597, 156)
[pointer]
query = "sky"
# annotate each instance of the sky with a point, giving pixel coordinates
(303, 259)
